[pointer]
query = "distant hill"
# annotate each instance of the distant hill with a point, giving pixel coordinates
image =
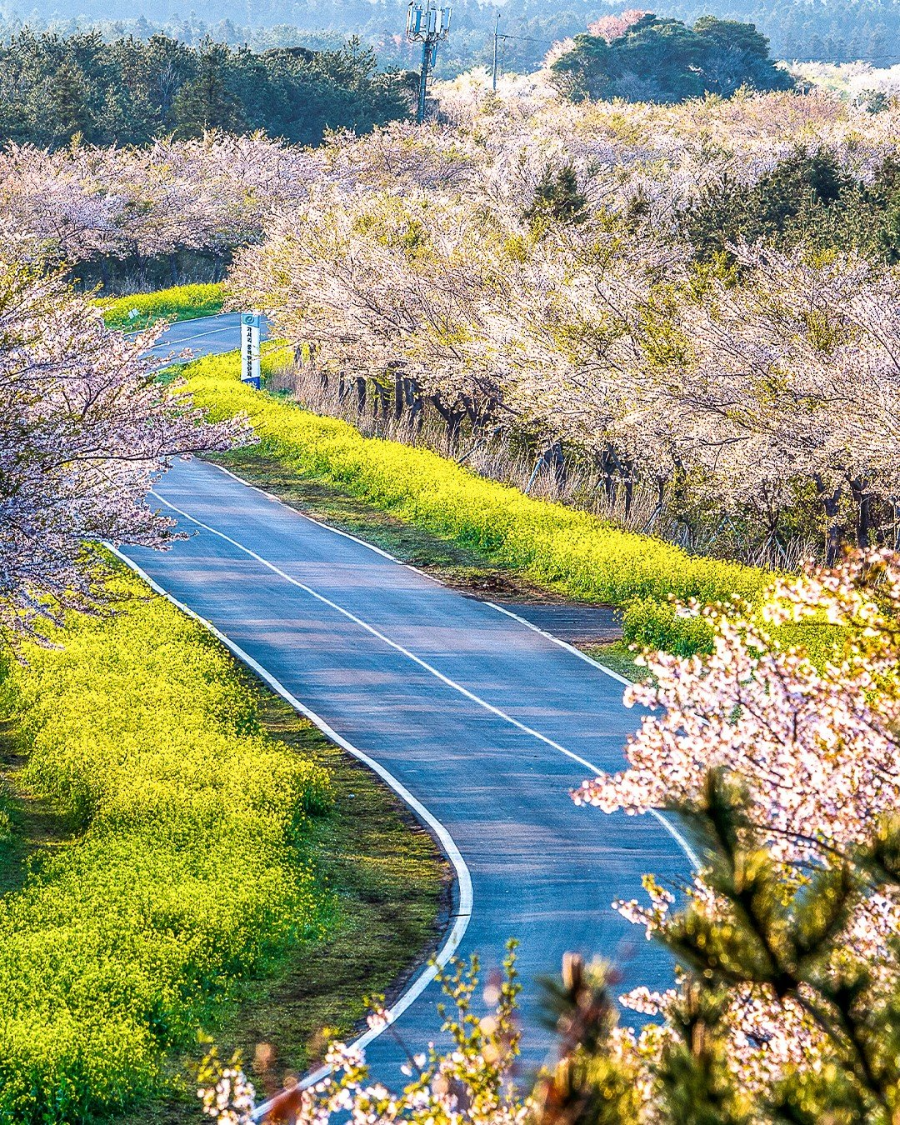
(828, 31)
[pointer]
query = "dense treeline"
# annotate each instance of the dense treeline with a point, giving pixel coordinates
(832, 31)
(622, 233)
(130, 91)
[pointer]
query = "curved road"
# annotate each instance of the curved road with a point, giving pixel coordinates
(484, 720)
(204, 335)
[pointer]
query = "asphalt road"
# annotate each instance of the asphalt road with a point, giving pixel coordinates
(485, 721)
(207, 335)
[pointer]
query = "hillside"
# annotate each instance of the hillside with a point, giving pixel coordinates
(834, 31)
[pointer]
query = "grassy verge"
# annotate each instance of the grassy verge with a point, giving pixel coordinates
(463, 568)
(569, 552)
(182, 302)
(390, 887)
(181, 855)
(619, 658)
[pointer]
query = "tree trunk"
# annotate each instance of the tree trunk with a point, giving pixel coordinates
(629, 494)
(834, 528)
(863, 501)
(414, 405)
(555, 460)
(380, 398)
(453, 419)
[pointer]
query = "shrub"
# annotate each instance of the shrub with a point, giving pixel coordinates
(186, 872)
(658, 625)
(181, 302)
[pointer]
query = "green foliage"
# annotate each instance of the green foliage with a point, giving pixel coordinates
(808, 198)
(658, 625)
(557, 199)
(187, 873)
(778, 932)
(181, 302)
(588, 1085)
(570, 551)
(664, 60)
(56, 89)
(205, 102)
(862, 29)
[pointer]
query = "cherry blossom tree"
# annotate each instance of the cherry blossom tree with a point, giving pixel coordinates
(815, 741)
(813, 744)
(613, 27)
(90, 204)
(84, 429)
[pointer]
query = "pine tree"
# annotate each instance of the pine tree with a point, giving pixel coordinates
(206, 102)
(69, 112)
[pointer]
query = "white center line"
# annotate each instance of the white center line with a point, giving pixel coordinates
(595, 770)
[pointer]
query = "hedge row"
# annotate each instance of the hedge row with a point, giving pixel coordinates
(181, 302)
(563, 549)
(185, 871)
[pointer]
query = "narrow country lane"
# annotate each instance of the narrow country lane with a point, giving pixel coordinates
(485, 721)
(205, 335)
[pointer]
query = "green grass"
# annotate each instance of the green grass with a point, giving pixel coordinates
(619, 657)
(389, 887)
(30, 825)
(568, 552)
(167, 856)
(182, 302)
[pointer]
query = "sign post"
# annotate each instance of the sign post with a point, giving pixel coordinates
(250, 348)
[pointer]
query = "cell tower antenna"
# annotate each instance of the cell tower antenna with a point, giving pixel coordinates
(427, 23)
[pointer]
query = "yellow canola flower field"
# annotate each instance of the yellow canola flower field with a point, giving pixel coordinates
(185, 870)
(181, 302)
(570, 551)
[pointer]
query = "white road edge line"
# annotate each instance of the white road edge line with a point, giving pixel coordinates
(409, 566)
(470, 695)
(562, 644)
(595, 770)
(669, 827)
(463, 876)
(303, 515)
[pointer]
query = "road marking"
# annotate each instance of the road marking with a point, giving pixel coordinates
(303, 515)
(677, 836)
(562, 644)
(595, 770)
(451, 850)
(464, 879)
(385, 639)
(416, 570)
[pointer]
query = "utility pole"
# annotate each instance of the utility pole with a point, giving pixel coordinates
(496, 42)
(429, 24)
